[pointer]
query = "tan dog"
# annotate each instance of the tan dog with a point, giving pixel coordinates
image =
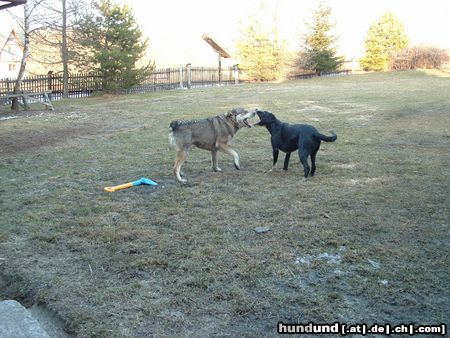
(211, 134)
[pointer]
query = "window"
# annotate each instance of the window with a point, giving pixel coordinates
(12, 67)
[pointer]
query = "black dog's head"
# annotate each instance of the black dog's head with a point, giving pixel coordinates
(265, 118)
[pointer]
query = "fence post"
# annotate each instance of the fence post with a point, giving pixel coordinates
(220, 68)
(236, 74)
(50, 83)
(189, 75)
(181, 77)
(49, 80)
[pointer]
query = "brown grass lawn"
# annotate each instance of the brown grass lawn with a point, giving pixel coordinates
(364, 241)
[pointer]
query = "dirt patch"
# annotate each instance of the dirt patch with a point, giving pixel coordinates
(17, 136)
(29, 131)
(32, 140)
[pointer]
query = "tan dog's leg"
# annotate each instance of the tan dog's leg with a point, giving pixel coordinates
(179, 160)
(227, 149)
(215, 166)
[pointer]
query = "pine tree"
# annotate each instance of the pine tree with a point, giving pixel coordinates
(264, 57)
(317, 52)
(110, 42)
(384, 38)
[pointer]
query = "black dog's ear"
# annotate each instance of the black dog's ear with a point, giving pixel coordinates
(268, 117)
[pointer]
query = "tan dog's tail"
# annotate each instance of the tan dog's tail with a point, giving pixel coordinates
(172, 127)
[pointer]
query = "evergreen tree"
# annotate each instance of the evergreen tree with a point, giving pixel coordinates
(385, 37)
(317, 52)
(264, 57)
(110, 42)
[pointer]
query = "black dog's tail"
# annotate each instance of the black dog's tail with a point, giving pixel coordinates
(325, 138)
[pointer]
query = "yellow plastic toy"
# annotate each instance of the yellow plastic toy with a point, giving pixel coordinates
(143, 180)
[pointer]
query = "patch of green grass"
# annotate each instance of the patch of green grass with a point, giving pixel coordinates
(366, 240)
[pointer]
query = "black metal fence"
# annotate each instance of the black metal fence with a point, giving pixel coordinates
(322, 74)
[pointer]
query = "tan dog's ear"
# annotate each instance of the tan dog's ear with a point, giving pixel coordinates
(229, 113)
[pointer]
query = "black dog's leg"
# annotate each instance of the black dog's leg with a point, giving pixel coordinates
(304, 160)
(313, 162)
(286, 161)
(275, 158)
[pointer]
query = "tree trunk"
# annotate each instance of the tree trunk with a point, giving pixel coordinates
(65, 52)
(23, 64)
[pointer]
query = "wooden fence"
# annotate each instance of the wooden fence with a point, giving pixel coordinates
(81, 85)
(186, 77)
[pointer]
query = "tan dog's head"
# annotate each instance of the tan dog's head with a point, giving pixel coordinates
(240, 117)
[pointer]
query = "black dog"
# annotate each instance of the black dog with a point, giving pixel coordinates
(290, 137)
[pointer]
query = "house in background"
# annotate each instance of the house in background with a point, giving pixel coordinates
(10, 55)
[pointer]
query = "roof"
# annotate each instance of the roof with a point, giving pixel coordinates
(10, 3)
(215, 46)
(12, 36)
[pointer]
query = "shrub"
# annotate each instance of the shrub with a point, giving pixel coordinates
(420, 57)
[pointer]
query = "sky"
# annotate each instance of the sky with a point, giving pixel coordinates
(175, 27)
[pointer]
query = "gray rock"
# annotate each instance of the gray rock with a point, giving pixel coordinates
(260, 230)
(17, 322)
